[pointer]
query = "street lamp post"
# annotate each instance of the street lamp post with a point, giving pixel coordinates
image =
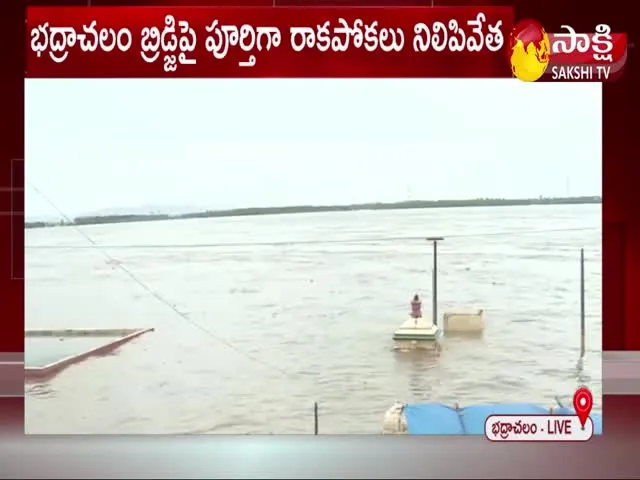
(434, 279)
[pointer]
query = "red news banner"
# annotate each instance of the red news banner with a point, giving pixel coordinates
(451, 42)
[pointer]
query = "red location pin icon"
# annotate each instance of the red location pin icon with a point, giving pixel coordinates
(583, 403)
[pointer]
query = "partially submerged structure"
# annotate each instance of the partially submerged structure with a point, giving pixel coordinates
(419, 332)
(48, 352)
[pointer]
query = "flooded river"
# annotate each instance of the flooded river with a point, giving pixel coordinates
(284, 310)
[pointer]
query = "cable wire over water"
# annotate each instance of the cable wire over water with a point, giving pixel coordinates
(156, 295)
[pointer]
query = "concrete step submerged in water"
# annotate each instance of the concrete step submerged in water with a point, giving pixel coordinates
(417, 330)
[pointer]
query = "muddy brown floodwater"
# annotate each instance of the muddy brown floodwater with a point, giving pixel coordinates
(302, 309)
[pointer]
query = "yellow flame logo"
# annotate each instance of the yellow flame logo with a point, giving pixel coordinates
(528, 63)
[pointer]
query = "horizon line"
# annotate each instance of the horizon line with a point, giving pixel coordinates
(313, 208)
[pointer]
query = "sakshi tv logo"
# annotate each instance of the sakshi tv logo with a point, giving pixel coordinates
(535, 54)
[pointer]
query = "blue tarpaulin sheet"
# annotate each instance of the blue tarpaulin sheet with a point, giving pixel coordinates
(439, 419)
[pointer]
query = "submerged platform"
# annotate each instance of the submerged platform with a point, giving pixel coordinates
(440, 419)
(417, 330)
(48, 352)
(463, 321)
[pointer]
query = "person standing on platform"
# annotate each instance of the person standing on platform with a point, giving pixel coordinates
(416, 309)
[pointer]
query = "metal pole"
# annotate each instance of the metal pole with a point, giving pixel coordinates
(434, 279)
(582, 314)
(315, 418)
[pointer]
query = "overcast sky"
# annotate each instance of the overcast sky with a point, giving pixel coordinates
(109, 144)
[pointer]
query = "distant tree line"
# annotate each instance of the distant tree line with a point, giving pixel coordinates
(239, 212)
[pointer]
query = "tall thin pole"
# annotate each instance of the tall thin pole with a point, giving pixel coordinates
(315, 418)
(582, 313)
(434, 279)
